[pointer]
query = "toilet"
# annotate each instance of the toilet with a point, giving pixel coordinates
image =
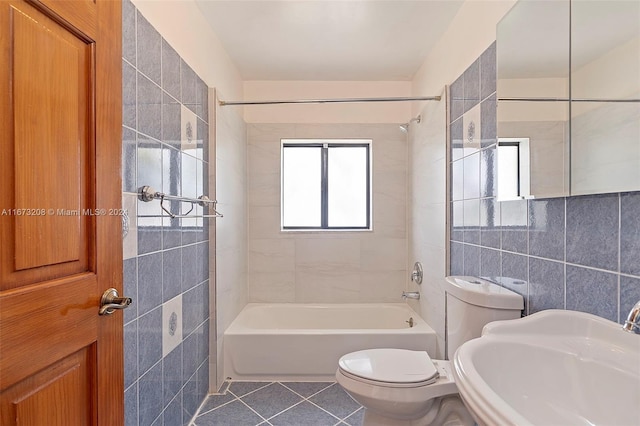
(403, 387)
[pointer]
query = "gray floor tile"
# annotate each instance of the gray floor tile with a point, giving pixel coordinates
(240, 389)
(271, 400)
(336, 401)
(356, 418)
(215, 401)
(304, 414)
(234, 413)
(307, 389)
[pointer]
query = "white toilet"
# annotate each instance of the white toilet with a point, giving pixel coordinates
(403, 387)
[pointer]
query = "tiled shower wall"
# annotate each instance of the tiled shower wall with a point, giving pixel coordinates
(166, 268)
(579, 253)
(334, 266)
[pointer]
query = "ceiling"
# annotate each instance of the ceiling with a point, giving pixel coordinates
(348, 40)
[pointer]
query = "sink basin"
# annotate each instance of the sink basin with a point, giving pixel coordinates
(554, 367)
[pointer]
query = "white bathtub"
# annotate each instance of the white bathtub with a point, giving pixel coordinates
(304, 341)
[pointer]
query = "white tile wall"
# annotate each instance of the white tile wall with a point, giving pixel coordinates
(428, 221)
(331, 267)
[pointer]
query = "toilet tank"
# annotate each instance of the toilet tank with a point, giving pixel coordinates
(471, 303)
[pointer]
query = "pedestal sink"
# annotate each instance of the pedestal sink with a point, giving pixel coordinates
(554, 367)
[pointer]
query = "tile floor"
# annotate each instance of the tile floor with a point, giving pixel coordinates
(280, 404)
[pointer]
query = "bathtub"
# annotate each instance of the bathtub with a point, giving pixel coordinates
(303, 342)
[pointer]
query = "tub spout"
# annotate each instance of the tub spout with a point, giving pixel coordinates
(410, 295)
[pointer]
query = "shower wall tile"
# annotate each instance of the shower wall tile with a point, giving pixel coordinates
(564, 253)
(162, 262)
(333, 267)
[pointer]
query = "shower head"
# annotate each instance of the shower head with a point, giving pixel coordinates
(405, 127)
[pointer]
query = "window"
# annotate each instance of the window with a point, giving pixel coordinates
(326, 184)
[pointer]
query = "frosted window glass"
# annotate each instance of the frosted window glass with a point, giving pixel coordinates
(347, 187)
(301, 186)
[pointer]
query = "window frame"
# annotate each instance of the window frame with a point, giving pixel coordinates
(325, 145)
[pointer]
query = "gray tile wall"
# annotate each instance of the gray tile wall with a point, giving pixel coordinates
(580, 253)
(171, 258)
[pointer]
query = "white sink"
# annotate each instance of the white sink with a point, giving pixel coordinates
(554, 367)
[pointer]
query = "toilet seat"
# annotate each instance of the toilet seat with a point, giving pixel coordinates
(399, 368)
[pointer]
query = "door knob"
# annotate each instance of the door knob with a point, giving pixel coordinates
(111, 301)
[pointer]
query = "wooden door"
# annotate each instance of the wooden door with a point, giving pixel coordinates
(60, 230)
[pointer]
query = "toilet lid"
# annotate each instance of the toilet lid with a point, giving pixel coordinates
(398, 366)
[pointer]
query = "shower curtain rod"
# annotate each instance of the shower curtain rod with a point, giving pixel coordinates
(331, 101)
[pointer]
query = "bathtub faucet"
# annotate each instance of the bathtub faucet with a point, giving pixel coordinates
(410, 295)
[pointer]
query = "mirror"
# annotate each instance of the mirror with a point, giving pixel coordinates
(533, 100)
(533, 51)
(569, 69)
(605, 87)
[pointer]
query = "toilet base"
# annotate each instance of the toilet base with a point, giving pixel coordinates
(446, 411)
